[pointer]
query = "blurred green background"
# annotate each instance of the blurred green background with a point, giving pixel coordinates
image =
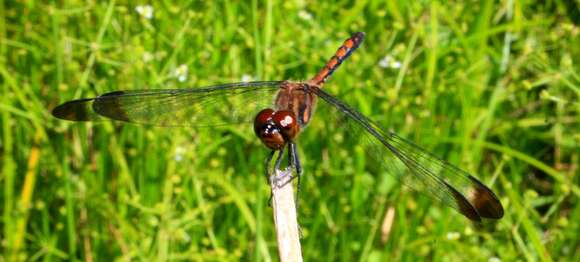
(491, 86)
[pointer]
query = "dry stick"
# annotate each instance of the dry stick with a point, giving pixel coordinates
(285, 219)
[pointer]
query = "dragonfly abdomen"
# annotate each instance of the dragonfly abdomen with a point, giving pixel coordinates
(341, 54)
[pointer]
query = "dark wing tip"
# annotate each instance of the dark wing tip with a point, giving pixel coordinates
(110, 105)
(485, 201)
(465, 208)
(76, 110)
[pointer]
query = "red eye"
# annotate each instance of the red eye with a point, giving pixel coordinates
(287, 123)
(268, 131)
(261, 119)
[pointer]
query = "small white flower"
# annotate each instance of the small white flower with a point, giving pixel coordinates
(384, 63)
(305, 15)
(396, 64)
(147, 57)
(494, 259)
(181, 73)
(389, 62)
(453, 235)
(246, 78)
(179, 151)
(146, 11)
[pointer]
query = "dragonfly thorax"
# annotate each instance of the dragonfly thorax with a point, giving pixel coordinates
(297, 98)
(276, 128)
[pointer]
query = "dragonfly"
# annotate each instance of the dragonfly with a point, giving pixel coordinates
(284, 109)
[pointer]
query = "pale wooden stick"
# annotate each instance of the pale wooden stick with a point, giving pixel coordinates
(285, 219)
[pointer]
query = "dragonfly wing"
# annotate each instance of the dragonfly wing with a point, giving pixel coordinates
(77, 110)
(208, 106)
(417, 168)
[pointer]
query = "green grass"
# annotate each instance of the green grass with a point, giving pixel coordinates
(492, 87)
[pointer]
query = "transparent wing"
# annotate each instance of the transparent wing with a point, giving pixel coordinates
(208, 106)
(417, 168)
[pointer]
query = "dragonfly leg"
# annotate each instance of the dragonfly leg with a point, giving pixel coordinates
(293, 152)
(273, 180)
(276, 177)
(267, 173)
(267, 165)
(293, 162)
(293, 155)
(279, 159)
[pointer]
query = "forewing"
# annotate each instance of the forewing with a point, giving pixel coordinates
(207, 106)
(417, 168)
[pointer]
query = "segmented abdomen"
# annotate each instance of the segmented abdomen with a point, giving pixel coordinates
(341, 54)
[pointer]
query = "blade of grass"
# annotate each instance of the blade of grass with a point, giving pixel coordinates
(27, 193)
(96, 43)
(531, 231)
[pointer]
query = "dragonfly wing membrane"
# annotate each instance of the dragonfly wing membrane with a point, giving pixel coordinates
(77, 110)
(479, 196)
(416, 168)
(199, 107)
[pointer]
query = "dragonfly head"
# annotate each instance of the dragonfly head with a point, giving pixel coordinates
(276, 128)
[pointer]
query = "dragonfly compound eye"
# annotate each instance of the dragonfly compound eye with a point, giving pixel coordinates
(268, 131)
(286, 121)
